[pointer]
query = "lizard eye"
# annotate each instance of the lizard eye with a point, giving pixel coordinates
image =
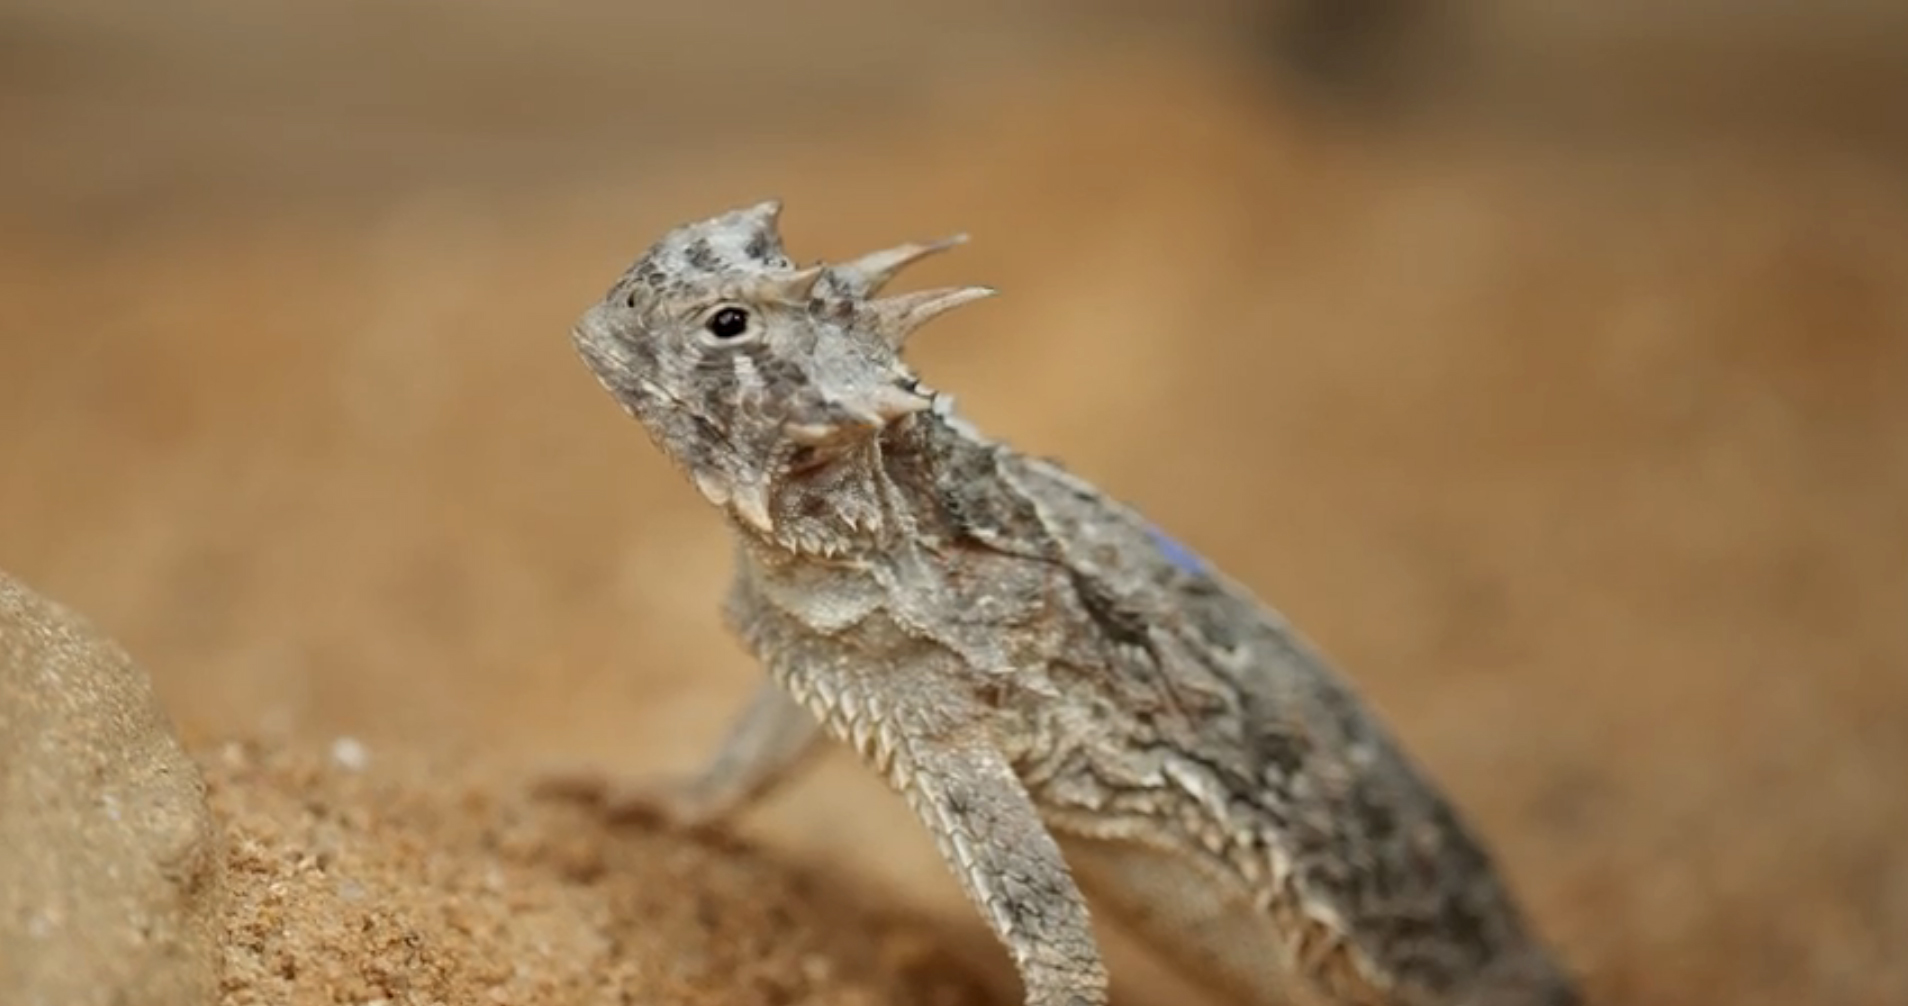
(727, 323)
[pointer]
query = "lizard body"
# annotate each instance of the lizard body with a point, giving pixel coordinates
(1072, 703)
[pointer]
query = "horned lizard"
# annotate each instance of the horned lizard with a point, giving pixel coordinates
(1060, 692)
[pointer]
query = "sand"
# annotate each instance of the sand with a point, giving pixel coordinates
(360, 879)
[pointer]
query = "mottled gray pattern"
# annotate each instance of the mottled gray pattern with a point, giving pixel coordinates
(1057, 689)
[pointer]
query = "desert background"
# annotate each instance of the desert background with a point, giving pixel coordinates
(1546, 364)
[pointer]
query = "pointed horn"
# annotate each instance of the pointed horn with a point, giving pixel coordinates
(865, 276)
(888, 403)
(897, 317)
(711, 488)
(790, 287)
(751, 504)
(766, 213)
(857, 415)
(811, 434)
(748, 502)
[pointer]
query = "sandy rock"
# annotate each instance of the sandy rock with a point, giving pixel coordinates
(109, 872)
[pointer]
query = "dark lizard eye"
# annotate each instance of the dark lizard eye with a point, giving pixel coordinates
(728, 323)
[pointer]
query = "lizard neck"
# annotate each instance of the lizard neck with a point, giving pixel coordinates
(843, 509)
(881, 498)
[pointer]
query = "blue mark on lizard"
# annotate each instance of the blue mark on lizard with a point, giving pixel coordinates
(1182, 558)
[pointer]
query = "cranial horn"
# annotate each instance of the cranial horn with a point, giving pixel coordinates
(896, 318)
(765, 213)
(863, 277)
(790, 287)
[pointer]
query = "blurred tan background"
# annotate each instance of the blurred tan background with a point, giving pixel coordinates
(1547, 363)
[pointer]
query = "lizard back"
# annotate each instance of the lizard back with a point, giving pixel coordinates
(1306, 830)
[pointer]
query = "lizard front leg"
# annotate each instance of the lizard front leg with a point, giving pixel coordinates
(991, 835)
(768, 739)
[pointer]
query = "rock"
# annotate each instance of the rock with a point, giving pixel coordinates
(109, 863)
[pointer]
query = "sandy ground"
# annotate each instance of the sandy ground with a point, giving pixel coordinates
(1588, 461)
(527, 901)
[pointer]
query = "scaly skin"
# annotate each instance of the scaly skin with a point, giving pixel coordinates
(1057, 689)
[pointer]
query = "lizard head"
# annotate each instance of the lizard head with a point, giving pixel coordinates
(750, 372)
